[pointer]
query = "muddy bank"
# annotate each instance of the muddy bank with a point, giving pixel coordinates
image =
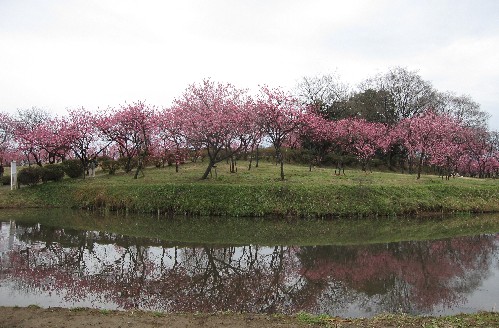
(57, 317)
(35, 317)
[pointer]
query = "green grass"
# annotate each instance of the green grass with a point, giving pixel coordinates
(259, 193)
(481, 319)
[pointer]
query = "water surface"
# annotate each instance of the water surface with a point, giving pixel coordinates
(52, 266)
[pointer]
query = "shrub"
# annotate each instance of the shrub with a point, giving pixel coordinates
(158, 161)
(267, 154)
(5, 180)
(127, 166)
(30, 175)
(52, 172)
(109, 165)
(73, 168)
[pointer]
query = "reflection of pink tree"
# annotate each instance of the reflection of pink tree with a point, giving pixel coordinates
(413, 276)
(174, 280)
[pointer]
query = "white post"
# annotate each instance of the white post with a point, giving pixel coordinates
(13, 175)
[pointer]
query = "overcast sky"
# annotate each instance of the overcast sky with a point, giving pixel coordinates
(58, 54)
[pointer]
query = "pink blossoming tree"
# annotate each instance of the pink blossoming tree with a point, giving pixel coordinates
(281, 116)
(215, 116)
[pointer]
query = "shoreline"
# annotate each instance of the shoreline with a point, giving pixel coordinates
(36, 317)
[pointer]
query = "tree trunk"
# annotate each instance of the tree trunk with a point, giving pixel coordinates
(128, 165)
(257, 157)
(208, 170)
(250, 161)
(282, 168)
(339, 168)
(389, 159)
(252, 151)
(420, 165)
(280, 160)
(84, 164)
(233, 165)
(139, 169)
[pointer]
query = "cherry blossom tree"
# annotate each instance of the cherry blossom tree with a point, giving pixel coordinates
(429, 136)
(449, 147)
(315, 136)
(481, 153)
(281, 116)
(170, 133)
(82, 134)
(253, 140)
(214, 115)
(360, 138)
(26, 125)
(6, 136)
(57, 143)
(129, 127)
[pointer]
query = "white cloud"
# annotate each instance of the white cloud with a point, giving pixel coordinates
(58, 54)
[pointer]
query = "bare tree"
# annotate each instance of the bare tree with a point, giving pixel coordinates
(324, 92)
(372, 105)
(409, 92)
(463, 108)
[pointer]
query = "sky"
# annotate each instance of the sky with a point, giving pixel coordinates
(59, 54)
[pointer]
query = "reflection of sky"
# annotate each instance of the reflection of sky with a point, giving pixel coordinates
(101, 258)
(10, 295)
(485, 296)
(4, 236)
(109, 255)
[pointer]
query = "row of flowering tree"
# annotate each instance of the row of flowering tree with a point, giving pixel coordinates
(224, 121)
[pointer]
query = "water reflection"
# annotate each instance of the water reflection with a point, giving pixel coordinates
(61, 267)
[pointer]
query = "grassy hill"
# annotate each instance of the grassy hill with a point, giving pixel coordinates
(259, 192)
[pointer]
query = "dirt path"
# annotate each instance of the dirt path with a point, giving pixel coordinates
(57, 317)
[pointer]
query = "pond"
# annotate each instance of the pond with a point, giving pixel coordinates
(56, 266)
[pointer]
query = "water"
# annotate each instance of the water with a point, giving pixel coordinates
(50, 266)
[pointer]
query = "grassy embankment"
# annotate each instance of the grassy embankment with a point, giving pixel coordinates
(259, 192)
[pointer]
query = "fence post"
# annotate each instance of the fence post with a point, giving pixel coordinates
(13, 175)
